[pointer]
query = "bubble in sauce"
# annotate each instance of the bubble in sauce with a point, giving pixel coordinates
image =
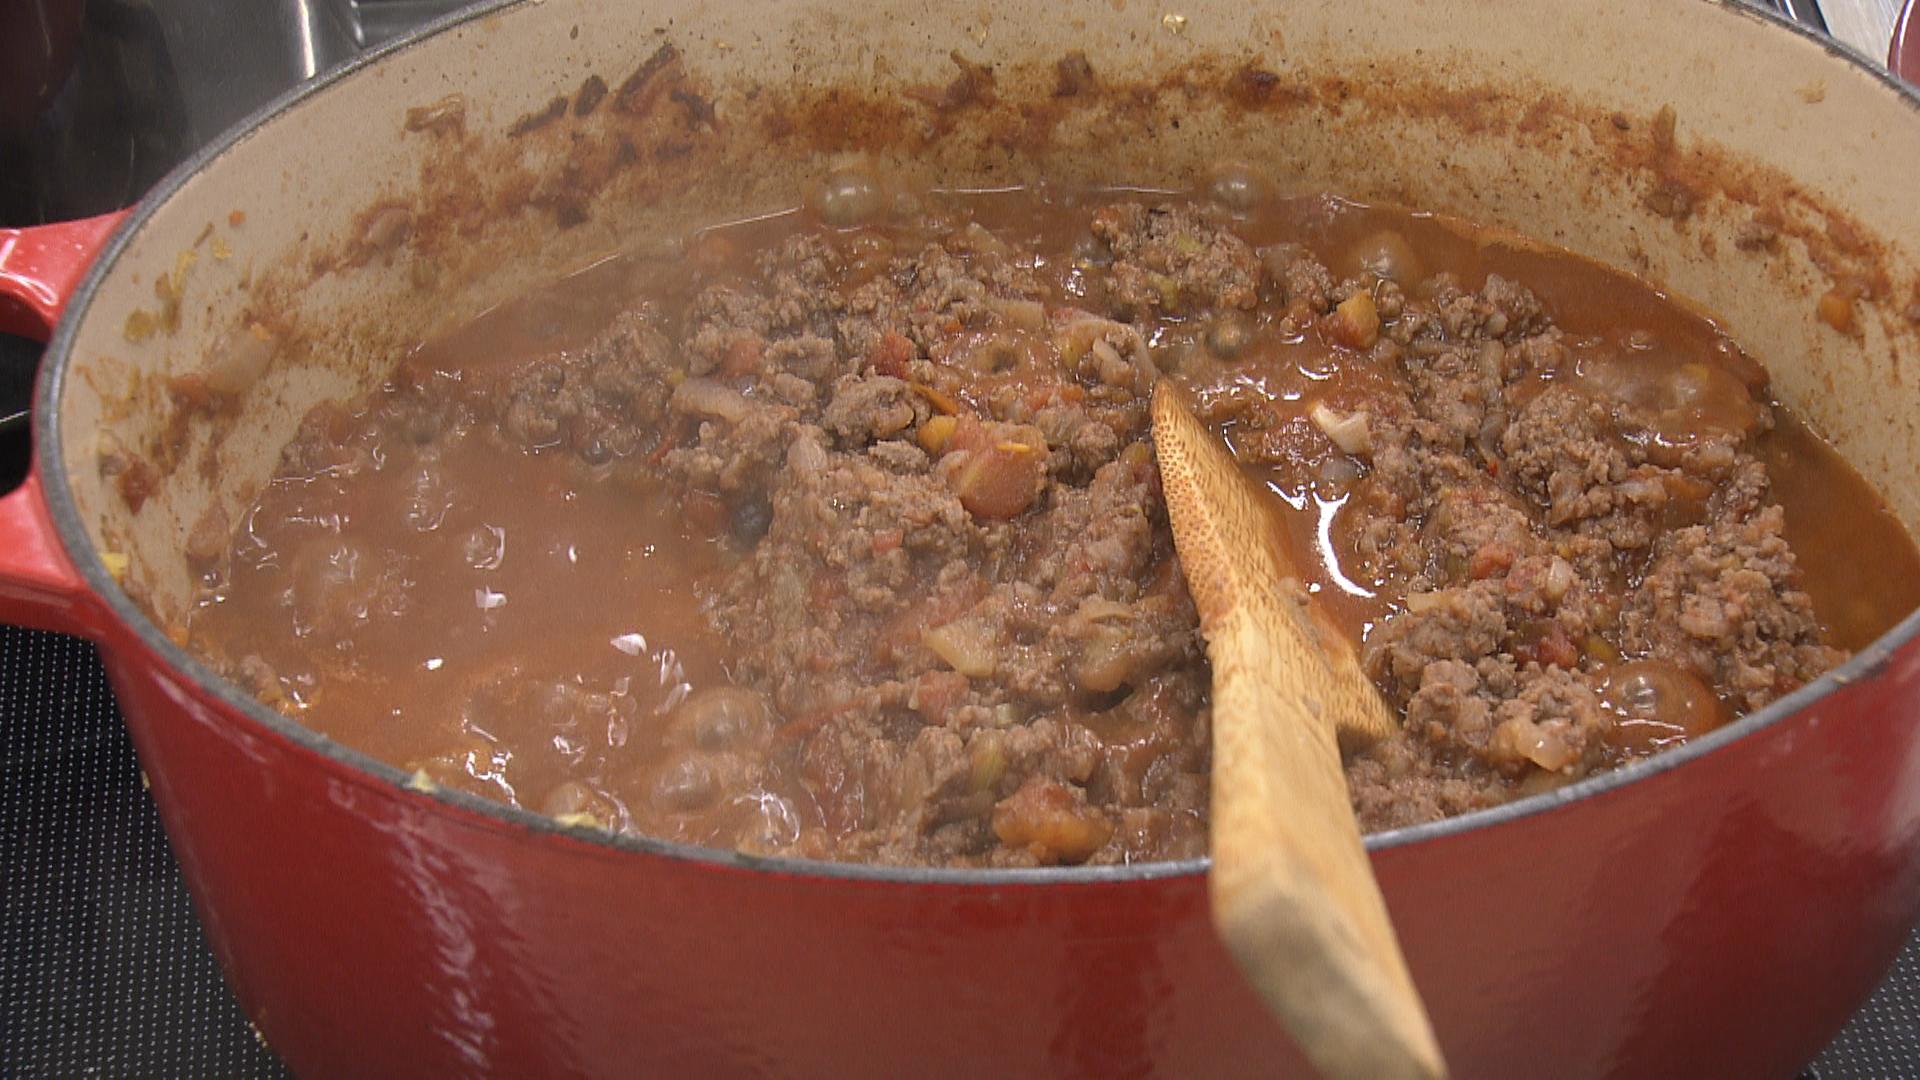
(685, 784)
(1229, 334)
(334, 585)
(723, 717)
(484, 547)
(1238, 187)
(771, 822)
(429, 497)
(575, 802)
(1384, 254)
(1658, 705)
(849, 198)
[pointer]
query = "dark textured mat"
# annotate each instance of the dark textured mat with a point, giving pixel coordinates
(103, 969)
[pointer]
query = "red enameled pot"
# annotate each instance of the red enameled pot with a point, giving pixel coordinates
(1718, 911)
(1903, 55)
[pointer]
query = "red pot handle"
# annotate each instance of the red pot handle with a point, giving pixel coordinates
(38, 585)
(1903, 56)
(39, 268)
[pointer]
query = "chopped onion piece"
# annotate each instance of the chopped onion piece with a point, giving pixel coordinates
(705, 397)
(1347, 430)
(965, 644)
(1023, 314)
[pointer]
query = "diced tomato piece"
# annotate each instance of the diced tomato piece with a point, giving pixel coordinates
(1489, 560)
(743, 356)
(1355, 323)
(1044, 818)
(891, 354)
(935, 693)
(1000, 481)
(1552, 646)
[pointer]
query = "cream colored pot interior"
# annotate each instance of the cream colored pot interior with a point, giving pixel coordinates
(1744, 166)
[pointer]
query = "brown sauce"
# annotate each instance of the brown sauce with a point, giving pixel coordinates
(637, 617)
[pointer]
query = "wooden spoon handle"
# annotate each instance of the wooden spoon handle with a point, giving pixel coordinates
(1293, 894)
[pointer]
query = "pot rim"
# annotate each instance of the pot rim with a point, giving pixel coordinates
(72, 533)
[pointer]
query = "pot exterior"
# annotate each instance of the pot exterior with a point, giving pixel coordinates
(1721, 919)
(1903, 55)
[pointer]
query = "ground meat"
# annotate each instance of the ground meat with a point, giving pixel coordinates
(1305, 286)
(1561, 448)
(604, 402)
(1087, 442)
(1445, 709)
(1564, 451)
(738, 442)
(1459, 625)
(1723, 601)
(880, 600)
(902, 473)
(929, 297)
(1477, 530)
(1513, 311)
(1399, 782)
(802, 276)
(730, 326)
(1554, 724)
(1500, 310)
(868, 408)
(1172, 260)
(1460, 393)
(1518, 505)
(872, 587)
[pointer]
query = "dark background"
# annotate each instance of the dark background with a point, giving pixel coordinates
(103, 968)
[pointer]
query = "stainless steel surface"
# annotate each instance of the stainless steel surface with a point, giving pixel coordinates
(114, 125)
(149, 81)
(377, 21)
(233, 55)
(152, 79)
(1805, 12)
(1864, 25)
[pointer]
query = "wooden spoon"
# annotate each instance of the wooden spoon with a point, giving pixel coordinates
(1293, 894)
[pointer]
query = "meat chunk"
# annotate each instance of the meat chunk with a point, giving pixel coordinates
(867, 409)
(606, 401)
(1723, 600)
(1173, 260)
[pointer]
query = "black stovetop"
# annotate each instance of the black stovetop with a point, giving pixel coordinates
(104, 970)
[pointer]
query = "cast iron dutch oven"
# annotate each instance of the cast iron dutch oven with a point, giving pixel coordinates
(1718, 911)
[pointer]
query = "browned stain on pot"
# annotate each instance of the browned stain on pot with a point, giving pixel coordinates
(638, 90)
(444, 117)
(1073, 75)
(588, 97)
(376, 231)
(1775, 206)
(532, 122)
